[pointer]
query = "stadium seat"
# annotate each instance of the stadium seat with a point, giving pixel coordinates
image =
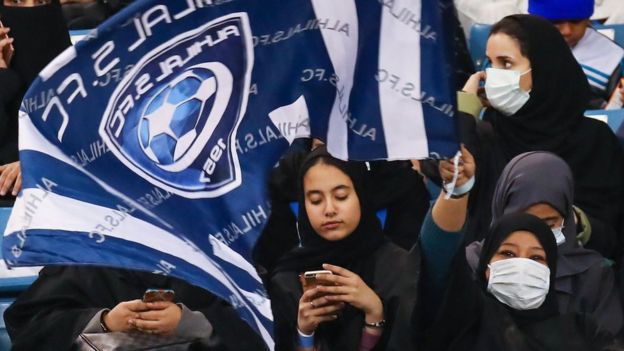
(11, 286)
(478, 38)
(77, 35)
(613, 31)
(614, 118)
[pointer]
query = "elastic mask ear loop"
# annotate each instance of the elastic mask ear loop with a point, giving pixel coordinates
(450, 187)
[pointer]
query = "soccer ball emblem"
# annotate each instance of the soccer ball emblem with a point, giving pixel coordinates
(169, 124)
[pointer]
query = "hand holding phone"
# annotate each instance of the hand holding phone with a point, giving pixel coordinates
(308, 279)
(156, 295)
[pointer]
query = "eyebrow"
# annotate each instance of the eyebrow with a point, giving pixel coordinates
(338, 187)
(501, 57)
(532, 247)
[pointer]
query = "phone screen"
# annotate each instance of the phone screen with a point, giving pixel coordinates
(154, 295)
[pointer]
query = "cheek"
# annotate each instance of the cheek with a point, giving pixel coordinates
(487, 274)
(315, 215)
(526, 81)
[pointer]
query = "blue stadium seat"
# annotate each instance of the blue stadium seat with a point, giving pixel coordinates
(614, 118)
(478, 39)
(617, 30)
(14, 285)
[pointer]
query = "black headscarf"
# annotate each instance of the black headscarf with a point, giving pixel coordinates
(559, 95)
(355, 248)
(40, 35)
(542, 177)
(552, 120)
(500, 231)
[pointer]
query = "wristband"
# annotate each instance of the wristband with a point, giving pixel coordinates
(306, 341)
(102, 324)
(375, 325)
(461, 191)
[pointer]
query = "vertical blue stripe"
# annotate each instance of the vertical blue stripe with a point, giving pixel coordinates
(437, 71)
(364, 100)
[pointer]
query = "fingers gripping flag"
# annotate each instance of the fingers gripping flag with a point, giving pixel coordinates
(148, 144)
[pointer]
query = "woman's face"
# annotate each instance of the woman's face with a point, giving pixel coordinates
(546, 213)
(26, 3)
(519, 244)
(331, 202)
(503, 52)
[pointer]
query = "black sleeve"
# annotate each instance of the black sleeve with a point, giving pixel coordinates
(284, 304)
(10, 90)
(50, 314)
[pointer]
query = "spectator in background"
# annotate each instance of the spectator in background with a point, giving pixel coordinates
(38, 34)
(537, 94)
(66, 301)
(599, 57)
(585, 281)
(471, 12)
(88, 14)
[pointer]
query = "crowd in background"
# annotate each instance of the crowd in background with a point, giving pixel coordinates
(521, 249)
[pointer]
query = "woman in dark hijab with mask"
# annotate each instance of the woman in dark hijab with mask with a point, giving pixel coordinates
(537, 94)
(353, 308)
(38, 34)
(511, 305)
(540, 183)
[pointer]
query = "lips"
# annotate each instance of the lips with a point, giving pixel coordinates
(331, 225)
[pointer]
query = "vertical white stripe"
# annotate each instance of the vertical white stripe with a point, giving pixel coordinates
(399, 65)
(342, 51)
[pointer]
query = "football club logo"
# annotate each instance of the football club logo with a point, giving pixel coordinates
(173, 119)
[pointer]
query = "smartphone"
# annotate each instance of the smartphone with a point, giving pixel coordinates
(7, 51)
(155, 295)
(308, 279)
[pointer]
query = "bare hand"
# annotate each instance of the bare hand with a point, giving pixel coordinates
(472, 84)
(118, 319)
(5, 48)
(10, 177)
(466, 168)
(162, 317)
(314, 310)
(346, 286)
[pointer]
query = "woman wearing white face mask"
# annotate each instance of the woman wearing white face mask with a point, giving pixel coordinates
(511, 305)
(535, 95)
(541, 184)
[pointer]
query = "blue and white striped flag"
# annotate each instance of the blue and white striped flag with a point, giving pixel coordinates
(395, 93)
(148, 144)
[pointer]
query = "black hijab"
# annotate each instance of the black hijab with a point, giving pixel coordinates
(552, 120)
(40, 35)
(500, 231)
(559, 95)
(355, 248)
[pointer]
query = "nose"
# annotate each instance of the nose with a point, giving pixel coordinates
(330, 209)
(565, 29)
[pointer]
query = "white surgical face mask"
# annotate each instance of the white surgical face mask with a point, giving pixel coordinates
(559, 237)
(502, 88)
(520, 283)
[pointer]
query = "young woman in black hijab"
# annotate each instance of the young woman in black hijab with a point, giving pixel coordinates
(585, 282)
(511, 305)
(38, 34)
(339, 232)
(537, 94)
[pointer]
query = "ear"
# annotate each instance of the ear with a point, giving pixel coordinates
(487, 274)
